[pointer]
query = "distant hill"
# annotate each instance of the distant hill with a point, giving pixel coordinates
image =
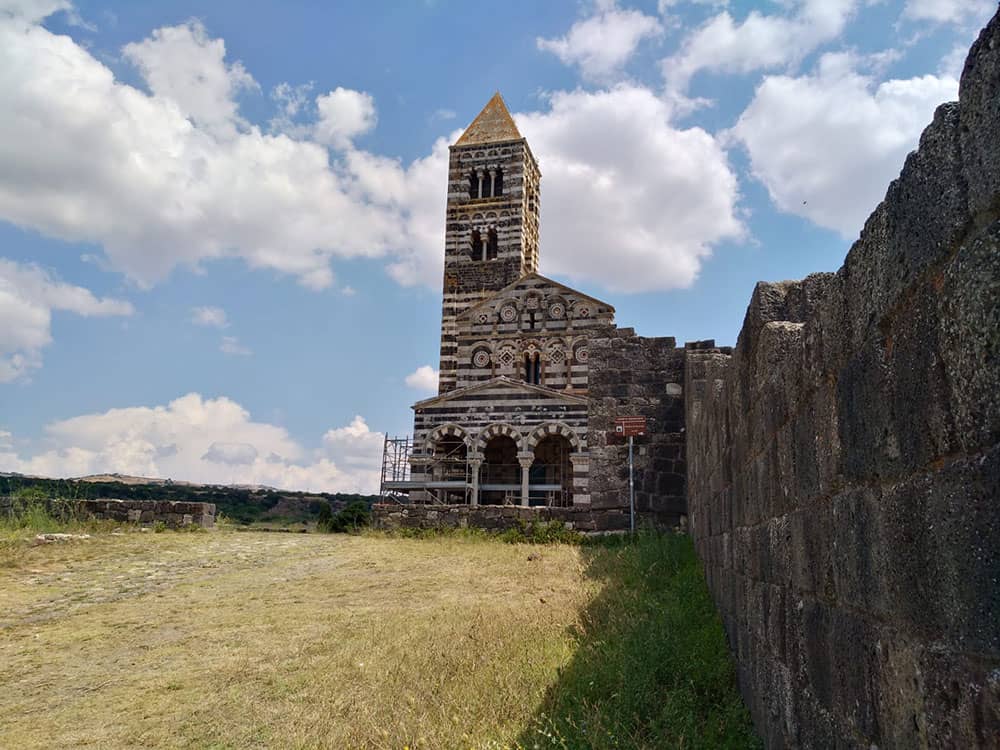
(240, 504)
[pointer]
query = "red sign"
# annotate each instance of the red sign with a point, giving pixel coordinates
(628, 426)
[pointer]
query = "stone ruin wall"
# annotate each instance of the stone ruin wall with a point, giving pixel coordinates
(637, 376)
(496, 517)
(844, 463)
(173, 513)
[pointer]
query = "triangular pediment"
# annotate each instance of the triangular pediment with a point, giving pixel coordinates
(548, 283)
(492, 125)
(500, 386)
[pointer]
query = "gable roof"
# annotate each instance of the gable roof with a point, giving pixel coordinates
(493, 124)
(507, 289)
(504, 382)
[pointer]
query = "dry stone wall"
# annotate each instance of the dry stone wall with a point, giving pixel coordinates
(495, 517)
(844, 463)
(170, 512)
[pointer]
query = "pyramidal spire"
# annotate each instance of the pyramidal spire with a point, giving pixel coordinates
(494, 123)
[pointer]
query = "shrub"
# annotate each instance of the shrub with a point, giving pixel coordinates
(541, 532)
(350, 519)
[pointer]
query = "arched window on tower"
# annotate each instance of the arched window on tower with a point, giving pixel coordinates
(492, 245)
(498, 182)
(476, 245)
(473, 185)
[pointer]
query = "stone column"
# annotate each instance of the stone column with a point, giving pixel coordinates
(525, 459)
(480, 175)
(474, 464)
(493, 182)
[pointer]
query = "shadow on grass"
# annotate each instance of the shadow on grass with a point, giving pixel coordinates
(652, 669)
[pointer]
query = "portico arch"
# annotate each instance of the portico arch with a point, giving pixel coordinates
(551, 428)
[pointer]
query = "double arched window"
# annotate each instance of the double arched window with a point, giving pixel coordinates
(486, 183)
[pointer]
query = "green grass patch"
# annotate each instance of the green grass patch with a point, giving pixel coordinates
(652, 668)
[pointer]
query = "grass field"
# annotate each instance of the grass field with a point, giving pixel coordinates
(260, 640)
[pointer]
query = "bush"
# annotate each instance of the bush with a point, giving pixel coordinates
(31, 508)
(541, 532)
(351, 519)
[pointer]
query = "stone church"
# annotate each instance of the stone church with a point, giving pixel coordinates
(514, 420)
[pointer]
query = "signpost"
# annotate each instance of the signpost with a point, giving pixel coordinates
(630, 427)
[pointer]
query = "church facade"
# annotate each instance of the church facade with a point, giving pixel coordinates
(510, 422)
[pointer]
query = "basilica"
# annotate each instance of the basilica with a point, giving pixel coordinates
(509, 424)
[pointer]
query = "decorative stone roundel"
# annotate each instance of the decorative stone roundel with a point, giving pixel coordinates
(582, 355)
(481, 358)
(583, 311)
(557, 310)
(508, 313)
(483, 318)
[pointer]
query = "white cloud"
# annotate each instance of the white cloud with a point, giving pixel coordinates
(602, 43)
(32, 11)
(28, 296)
(174, 178)
(182, 64)
(827, 144)
(88, 159)
(213, 317)
(760, 41)
(204, 440)
(638, 211)
(357, 449)
(424, 378)
(6, 439)
(949, 11)
(343, 115)
(231, 345)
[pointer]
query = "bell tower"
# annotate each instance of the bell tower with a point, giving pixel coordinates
(491, 234)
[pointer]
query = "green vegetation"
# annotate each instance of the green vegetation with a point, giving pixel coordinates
(534, 532)
(241, 506)
(651, 668)
(27, 511)
(351, 519)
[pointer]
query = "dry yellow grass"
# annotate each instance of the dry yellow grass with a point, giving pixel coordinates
(255, 640)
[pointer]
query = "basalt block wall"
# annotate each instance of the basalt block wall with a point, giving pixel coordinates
(844, 463)
(496, 517)
(170, 512)
(637, 376)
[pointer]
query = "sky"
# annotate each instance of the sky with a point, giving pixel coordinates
(222, 224)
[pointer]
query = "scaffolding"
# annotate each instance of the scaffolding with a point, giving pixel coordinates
(449, 481)
(395, 468)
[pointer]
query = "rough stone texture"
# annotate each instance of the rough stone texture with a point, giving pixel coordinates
(635, 376)
(495, 517)
(171, 512)
(844, 463)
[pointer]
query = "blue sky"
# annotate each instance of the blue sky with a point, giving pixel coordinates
(221, 226)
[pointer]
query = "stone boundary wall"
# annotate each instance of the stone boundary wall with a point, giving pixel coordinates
(637, 376)
(844, 463)
(171, 512)
(495, 517)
